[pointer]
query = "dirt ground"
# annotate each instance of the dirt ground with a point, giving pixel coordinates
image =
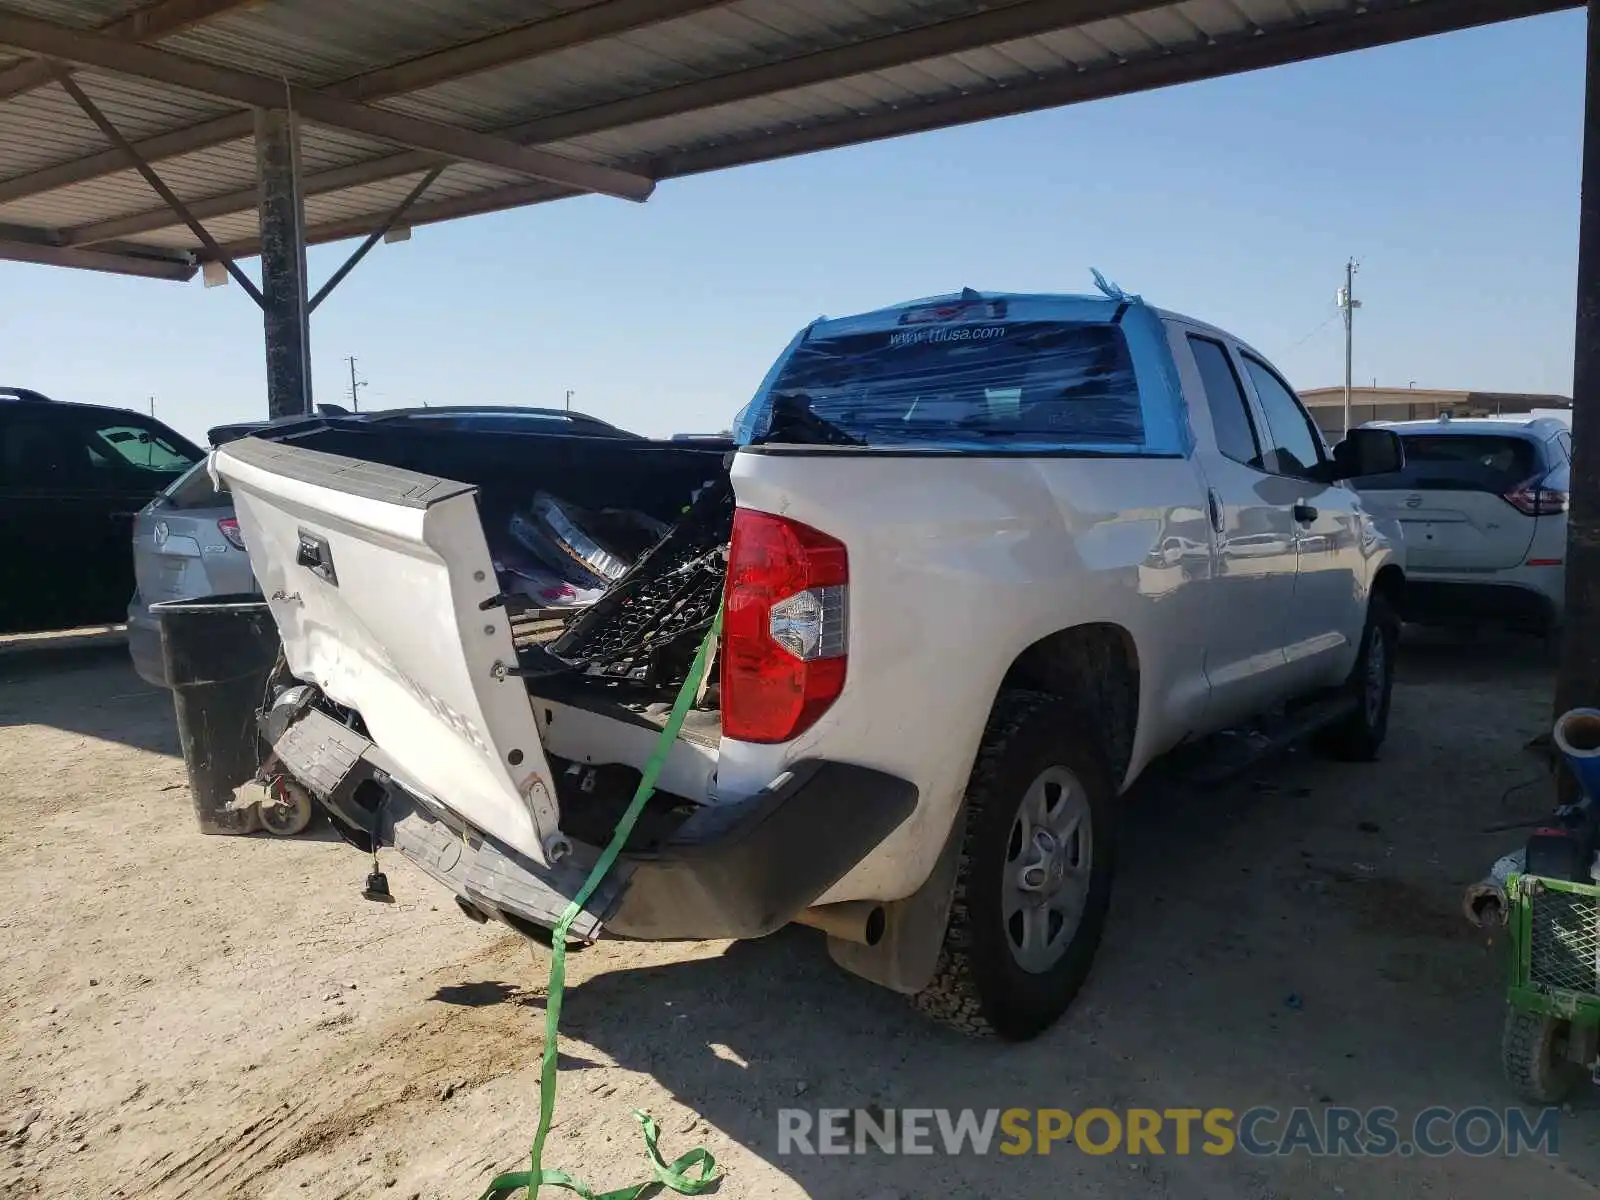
(188, 1016)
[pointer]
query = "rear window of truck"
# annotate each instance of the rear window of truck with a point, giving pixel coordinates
(1023, 383)
(1461, 462)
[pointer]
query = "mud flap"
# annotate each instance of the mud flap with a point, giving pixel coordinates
(905, 958)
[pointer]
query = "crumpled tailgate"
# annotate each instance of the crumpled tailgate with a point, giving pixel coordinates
(377, 578)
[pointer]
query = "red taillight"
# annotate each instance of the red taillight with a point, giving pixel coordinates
(784, 631)
(229, 528)
(1536, 500)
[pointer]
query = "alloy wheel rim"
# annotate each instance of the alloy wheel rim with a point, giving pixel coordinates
(1049, 856)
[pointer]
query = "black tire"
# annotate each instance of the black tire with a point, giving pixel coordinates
(1533, 1054)
(979, 987)
(1359, 736)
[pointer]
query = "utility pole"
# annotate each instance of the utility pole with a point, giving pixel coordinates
(152, 406)
(569, 399)
(355, 384)
(1348, 302)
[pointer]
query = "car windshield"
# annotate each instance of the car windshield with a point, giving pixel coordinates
(140, 447)
(1460, 462)
(1034, 383)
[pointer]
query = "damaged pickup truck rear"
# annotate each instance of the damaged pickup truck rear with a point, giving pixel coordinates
(982, 558)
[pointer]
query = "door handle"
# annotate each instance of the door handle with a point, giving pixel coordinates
(1214, 508)
(1305, 514)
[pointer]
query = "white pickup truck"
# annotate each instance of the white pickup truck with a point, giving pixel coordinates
(983, 557)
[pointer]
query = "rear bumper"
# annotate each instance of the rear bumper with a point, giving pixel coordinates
(1429, 601)
(144, 646)
(739, 870)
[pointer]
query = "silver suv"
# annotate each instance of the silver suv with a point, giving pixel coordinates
(186, 544)
(1483, 502)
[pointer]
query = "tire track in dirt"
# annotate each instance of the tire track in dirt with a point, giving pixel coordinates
(373, 1075)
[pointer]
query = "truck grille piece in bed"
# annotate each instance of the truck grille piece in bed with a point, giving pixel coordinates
(646, 628)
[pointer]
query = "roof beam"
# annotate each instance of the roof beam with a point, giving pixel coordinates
(109, 162)
(1274, 47)
(114, 136)
(146, 25)
(58, 43)
(20, 244)
(532, 40)
(954, 36)
(1020, 20)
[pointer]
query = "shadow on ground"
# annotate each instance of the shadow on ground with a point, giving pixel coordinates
(88, 689)
(1292, 939)
(1491, 656)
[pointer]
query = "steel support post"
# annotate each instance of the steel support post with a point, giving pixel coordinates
(1578, 680)
(285, 311)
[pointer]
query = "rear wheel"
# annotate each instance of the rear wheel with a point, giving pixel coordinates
(1359, 736)
(1533, 1051)
(1034, 883)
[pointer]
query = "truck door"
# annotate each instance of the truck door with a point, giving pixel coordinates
(1326, 618)
(1253, 562)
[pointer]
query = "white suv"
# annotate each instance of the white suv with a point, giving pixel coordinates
(1483, 502)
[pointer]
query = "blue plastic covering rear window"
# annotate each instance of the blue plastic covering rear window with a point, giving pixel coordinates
(984, 372)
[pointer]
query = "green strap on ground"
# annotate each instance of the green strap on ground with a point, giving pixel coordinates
(695, 1172)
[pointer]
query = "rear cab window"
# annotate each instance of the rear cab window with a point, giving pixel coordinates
(1462, 462)
(1296, 445)
(986, 374)
(1232, 425)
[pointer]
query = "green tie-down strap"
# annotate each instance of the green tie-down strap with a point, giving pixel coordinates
(676, 1174)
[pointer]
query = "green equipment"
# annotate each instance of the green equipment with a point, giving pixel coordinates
(1552, 1030)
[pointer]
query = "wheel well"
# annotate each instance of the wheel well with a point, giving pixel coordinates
(1097, 667)
(1390, 583)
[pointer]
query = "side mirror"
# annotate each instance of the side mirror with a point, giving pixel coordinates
(1368, 452)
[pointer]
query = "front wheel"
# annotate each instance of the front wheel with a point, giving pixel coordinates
(1034, 883)
(1359, 736)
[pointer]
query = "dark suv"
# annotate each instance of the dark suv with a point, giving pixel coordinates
(72, 478)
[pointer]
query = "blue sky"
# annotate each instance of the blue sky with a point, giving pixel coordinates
(1448, 167)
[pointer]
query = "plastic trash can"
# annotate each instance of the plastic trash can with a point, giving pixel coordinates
(219, 652)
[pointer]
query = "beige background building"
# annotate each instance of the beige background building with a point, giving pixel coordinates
(1415, 404)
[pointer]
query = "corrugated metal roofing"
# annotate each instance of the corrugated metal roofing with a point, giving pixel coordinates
(658, 87)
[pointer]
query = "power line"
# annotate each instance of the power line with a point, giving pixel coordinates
(1331, 317)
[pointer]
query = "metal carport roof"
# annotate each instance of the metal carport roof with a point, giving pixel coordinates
(514, 102)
